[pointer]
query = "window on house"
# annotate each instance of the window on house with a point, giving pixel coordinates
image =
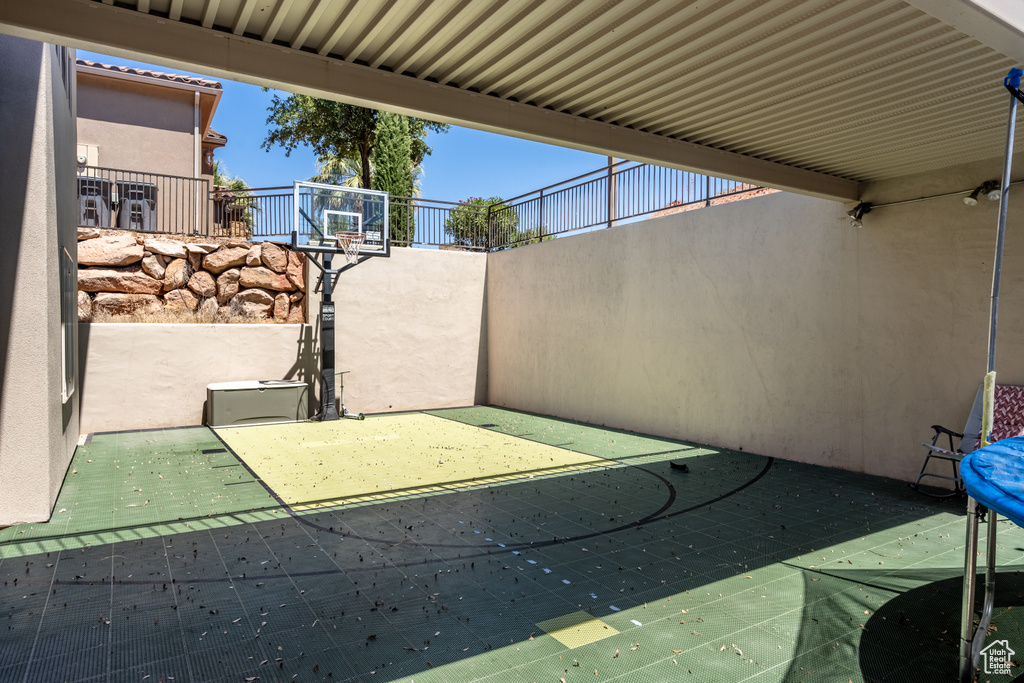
(68, 321)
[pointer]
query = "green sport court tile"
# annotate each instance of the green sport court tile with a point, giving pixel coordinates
(574, 436)
(130, 484)
(404, 569)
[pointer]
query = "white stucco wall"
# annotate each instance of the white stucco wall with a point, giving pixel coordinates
(411, 329)
(146, 375)
(768, 324)
(38, 429)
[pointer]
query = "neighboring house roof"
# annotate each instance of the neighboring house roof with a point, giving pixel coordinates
(215, 139)
(159, 75)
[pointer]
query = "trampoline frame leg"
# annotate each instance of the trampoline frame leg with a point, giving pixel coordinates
(972, 639)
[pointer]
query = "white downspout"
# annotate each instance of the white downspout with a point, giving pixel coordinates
(196, 160)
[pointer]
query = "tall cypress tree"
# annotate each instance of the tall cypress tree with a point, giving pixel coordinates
(392, 163)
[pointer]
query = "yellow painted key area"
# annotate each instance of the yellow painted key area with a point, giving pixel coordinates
(577, 629)
(311, 464)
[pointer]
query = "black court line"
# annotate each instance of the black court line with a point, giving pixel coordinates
(385, 541)
(489, 551)
(486, 550)
(655, 516)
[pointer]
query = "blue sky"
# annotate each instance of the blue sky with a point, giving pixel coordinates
(465, 162)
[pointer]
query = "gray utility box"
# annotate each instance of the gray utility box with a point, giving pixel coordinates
(229, 404)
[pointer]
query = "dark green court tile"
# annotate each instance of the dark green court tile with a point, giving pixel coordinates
(166, 669)
(75, 666)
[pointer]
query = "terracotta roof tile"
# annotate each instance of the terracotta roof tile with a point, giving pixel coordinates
(158, 75)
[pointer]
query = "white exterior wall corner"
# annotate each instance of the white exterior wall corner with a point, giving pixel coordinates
(767, 324)
(38, 431)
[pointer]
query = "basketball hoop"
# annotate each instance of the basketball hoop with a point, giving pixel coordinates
(350, 241)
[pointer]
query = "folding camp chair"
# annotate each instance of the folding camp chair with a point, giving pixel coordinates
(968, 442)
(1008, 421)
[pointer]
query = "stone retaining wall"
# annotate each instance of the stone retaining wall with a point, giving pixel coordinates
(124, 273)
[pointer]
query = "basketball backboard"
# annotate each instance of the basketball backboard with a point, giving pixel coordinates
(322, 210)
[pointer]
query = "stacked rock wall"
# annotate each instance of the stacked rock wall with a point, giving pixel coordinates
(130, 274)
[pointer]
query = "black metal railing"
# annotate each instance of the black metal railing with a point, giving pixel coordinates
(432, 222)
(619, 193)
(612, 195)
(252, 212)
(145, 202)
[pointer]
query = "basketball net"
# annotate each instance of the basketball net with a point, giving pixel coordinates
(350, 241)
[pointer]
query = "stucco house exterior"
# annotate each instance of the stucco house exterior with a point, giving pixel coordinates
(145, 148)
(147, 121)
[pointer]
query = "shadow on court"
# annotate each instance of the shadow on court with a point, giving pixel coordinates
(665, 573)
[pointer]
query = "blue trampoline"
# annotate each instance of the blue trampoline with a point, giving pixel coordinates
(994, 476)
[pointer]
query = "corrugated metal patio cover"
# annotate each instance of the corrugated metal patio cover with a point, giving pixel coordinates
(858, 90)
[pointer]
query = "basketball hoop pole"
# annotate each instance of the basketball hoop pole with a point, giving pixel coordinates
(333, 200)
(328, 404)
(328, 407)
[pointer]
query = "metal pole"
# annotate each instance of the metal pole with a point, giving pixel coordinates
(613, 191)
(1004, 198)
(541, 221)
(970, 581)
(972, 640)
(328, 408)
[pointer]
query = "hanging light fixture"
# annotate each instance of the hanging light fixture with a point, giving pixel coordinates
(989, 188)
(992, 191)
(857, 213)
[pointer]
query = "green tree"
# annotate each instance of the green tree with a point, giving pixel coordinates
(343, 171)
(335, 130)
(223, 178)
(339, 171)
(392, 164)
(489, 223)
(468, 224)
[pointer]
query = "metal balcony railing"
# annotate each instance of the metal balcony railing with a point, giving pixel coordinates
(619, 193)
(145, 202)
(613, 195)
(253, 212)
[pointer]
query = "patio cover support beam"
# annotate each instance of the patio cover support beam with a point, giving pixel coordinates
(129, 34)
(999, 24)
